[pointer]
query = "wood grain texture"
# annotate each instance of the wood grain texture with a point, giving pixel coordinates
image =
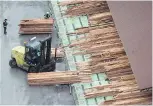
(36, 26)
(107, 55)
(50, 78)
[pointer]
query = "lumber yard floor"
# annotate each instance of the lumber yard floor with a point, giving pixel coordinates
(14, 89)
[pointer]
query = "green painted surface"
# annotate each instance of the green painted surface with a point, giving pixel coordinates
(76, 22)
(78, 58)
(90, 101)
(72, 38)
(79, 92)
(68, 25)
(94, 77)
(84, 21)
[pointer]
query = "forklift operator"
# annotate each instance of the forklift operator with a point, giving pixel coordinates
(34, 57)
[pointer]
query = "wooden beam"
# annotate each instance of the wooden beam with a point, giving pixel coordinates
(66, 77)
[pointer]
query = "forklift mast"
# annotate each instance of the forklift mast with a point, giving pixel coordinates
(45, 51)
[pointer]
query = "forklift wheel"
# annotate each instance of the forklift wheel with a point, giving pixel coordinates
(12, 63)
(32, 70)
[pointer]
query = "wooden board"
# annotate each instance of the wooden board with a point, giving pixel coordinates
(36, 21)
(60, 52)
(36, 26)
(65, 77)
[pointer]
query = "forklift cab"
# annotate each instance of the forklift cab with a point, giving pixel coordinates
(36, 54)
(32, 52)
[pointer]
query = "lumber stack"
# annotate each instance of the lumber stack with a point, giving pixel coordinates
(36, 26)
(107, 55)
(87, 7)
(72, 2)
(59, 52)
(66, 77)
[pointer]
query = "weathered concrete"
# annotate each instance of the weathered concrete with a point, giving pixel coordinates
(13, 86)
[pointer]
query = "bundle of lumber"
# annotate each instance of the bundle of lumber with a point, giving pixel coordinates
(36, 26)
(88, 7)
(64, 3)
(113, 88)
(59, 52)
(124, 92)
(107, 55)
(66, 77)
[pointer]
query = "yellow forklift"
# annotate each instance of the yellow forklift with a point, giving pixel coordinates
(34, 56)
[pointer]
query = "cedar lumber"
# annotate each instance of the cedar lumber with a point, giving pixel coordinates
(107, 55)
(100, 16)
(132, 101)
(65, 3)
(29, 33)
(49, 78)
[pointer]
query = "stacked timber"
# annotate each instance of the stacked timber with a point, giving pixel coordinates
(36, 26)
(66, 77)
(107, 55)
(59, 52)
(71, 2)
(88, 8)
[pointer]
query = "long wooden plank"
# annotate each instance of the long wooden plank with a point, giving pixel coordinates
(100, 16)
(29, 33)
(130, 101)
(36, 26)
(36, 21)
(35, 29)
(66, 77)
(64, 3)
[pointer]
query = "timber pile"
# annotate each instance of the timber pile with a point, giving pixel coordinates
(71, 2)
(107, 55)
(66, 77)
(59, 53)
(36, 26)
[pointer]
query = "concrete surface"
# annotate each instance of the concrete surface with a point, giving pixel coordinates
(14, 89)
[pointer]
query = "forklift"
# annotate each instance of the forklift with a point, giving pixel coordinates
(34, 56)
